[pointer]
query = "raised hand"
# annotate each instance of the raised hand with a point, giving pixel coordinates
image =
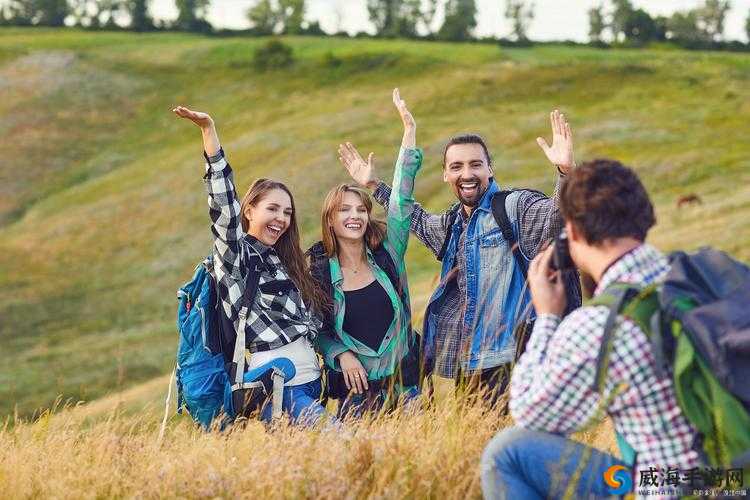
(561, 151)
(201, 119)
(211, 143)
(410, 126)
(363, 172)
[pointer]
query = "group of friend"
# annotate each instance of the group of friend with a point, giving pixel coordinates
(347, 298)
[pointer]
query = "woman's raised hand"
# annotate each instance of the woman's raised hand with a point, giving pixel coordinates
(363, 172)
(211, 143)
(203, 120)
(410, 126)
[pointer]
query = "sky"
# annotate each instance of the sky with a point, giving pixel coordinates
(554, 19)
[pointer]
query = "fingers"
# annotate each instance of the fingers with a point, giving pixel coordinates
(568, 133)
(542, 144)
(397, 98)
(369, 159)
(357, 377)
(541, 262)
(346, 380)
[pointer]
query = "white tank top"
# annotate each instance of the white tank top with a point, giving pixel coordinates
(300, 353)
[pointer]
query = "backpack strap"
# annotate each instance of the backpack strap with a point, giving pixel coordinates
(616, 296)
(252, 279)
(452, 214)
(500, 212)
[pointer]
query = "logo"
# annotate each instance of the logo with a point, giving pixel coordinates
(618, 480)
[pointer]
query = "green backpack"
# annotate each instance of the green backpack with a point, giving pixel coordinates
(698, 321)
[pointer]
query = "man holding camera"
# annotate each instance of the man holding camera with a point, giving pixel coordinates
(555, 389)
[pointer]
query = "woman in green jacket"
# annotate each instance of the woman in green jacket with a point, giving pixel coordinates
(369, 348)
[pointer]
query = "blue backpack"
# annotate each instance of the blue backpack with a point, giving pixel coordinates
(203, 384)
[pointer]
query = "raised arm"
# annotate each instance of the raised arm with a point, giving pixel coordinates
(539, 215)
(430, 229)
(224, 209)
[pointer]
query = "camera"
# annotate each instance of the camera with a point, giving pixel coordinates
(561, 260)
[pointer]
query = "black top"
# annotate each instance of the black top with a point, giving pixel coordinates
(368, 315)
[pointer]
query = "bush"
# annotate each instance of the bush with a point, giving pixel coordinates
(273, 55)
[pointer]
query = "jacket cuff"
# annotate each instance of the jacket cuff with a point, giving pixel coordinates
(382, 193)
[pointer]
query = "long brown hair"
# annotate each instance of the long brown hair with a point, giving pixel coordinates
(288, 245)
(376, 229)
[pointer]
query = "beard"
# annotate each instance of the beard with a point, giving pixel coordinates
(471, 199)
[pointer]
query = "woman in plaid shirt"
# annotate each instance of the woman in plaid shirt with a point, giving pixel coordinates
(367, 340)
(278, 324)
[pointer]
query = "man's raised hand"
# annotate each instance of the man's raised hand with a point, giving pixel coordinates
(363, 172)
(561, 151)
(410, 126)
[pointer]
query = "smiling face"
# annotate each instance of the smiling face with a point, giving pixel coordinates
(468, 172)
(270, 217)
(349, 221)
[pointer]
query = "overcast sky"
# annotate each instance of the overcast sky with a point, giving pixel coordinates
(554, 19)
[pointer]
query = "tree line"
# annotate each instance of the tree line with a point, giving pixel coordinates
(616, 22)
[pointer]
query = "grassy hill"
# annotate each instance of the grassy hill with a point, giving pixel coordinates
(102, 208)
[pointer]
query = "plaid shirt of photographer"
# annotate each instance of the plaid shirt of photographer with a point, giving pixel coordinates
(552, 388)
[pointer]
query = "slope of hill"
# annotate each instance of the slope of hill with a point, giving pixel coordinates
(102, 208)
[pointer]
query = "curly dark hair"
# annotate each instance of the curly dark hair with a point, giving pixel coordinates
(605, 199)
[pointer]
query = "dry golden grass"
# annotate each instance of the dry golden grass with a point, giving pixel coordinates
(434, 453)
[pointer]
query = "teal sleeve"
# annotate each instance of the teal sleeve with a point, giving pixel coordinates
(329, 347)
(401, 202)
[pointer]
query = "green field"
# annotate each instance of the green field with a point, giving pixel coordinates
(103, 212)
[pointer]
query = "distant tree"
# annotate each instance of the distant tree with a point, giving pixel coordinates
(107, 12)
(51, 12)
(460, 20)
(682, 26)
(262, 17)
(747, 28)
(192, 15)
(400, 18)
(428, 15)
(292, 14)
(640, 28)
(35, 12)
(140, 20)
(277, 16)
(597, 24)
(408, 18)
(384, 16)
(21, 12)
(711, 18)
(623, 9)
(520, 15)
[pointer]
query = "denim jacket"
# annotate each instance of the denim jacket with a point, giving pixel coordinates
(496, 295)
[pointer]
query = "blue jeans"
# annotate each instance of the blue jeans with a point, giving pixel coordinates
(301, 403)
(523, 464)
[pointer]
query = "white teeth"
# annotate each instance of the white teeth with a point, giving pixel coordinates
(274, 229)
(353, 226)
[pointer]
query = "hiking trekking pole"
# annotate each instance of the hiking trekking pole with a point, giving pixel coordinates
(166, 409)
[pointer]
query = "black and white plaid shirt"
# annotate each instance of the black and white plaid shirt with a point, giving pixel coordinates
(278, 315)
(539, 221)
